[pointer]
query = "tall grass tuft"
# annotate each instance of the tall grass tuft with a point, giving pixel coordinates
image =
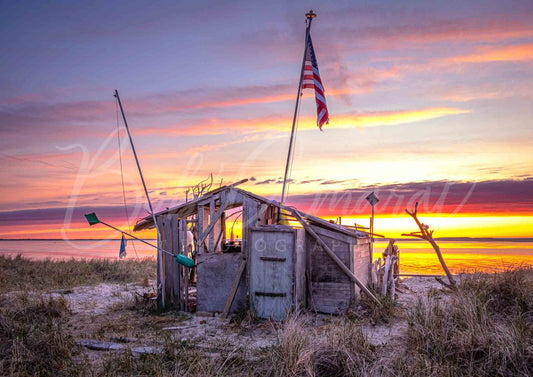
(366, 310)
(483, 329)
(508, 293)
(339, 349)
(18, 273)
(32, 339)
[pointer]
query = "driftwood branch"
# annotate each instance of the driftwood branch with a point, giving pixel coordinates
(413, 235)
(389, 269)
(427, 235)
(444, 283)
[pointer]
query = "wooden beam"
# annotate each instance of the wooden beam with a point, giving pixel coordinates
(233, 290)
(239, 182)
(211, 243)
(199, 230)
(413, 235)
(184, 271)
(370, 233)
(213, 221)
(318, 220)
(334, 257)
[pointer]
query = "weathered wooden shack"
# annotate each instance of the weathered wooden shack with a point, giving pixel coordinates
(275, 268)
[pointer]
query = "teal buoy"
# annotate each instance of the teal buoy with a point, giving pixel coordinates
(183, 260)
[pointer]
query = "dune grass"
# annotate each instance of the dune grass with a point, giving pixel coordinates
(18, 273)
(483, 328)
(33, 341)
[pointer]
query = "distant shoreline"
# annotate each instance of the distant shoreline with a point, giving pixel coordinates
(473, 239)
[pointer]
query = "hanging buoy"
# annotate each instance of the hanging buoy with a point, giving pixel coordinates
(183, 260)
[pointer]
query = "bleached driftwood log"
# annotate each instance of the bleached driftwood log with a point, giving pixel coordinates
(427, 235)
(387, 270)
(374, 274)
(388, 285)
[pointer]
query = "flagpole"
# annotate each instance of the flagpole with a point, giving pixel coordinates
(309, 17)
(159, 255)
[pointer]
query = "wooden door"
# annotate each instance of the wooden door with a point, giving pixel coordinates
(271, 273)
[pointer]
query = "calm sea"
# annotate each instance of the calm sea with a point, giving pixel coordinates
(417, 257)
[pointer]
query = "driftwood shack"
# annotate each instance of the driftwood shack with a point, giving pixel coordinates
(275, 268)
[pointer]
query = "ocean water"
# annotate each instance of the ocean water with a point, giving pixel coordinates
(60, 249)
(416, 257)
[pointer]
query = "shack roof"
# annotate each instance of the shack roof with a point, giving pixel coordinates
(191, 207)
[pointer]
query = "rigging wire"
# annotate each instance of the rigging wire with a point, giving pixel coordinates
(122, 180)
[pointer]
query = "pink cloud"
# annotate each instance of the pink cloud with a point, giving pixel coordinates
(434, 30)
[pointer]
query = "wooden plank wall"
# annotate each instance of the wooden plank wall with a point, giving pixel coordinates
(216, 274)
(300, 269)
(172, 278)
(183, 271)
(168, 261)
(161, 295)
(361, 256)
(331, 291)
(176, 268)
(159, 263)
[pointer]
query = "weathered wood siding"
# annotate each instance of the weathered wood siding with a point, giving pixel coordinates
(271, 265)
(216, 273)
(300, 269)
(170, 241)
(361, 264)
(331, 291)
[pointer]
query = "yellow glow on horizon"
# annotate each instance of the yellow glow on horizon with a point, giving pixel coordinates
(473, 225)
(463, 225)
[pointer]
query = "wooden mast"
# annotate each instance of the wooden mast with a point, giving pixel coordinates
(309, 18)
(159, 254)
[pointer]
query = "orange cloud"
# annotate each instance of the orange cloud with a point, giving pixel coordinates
(515, 53)
(215, 126)
(389, 118)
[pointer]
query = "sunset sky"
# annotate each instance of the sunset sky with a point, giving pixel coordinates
(428, 101)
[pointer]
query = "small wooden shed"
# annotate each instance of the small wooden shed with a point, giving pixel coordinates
(274, 268)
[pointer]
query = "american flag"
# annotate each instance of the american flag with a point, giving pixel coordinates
(312, 80)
